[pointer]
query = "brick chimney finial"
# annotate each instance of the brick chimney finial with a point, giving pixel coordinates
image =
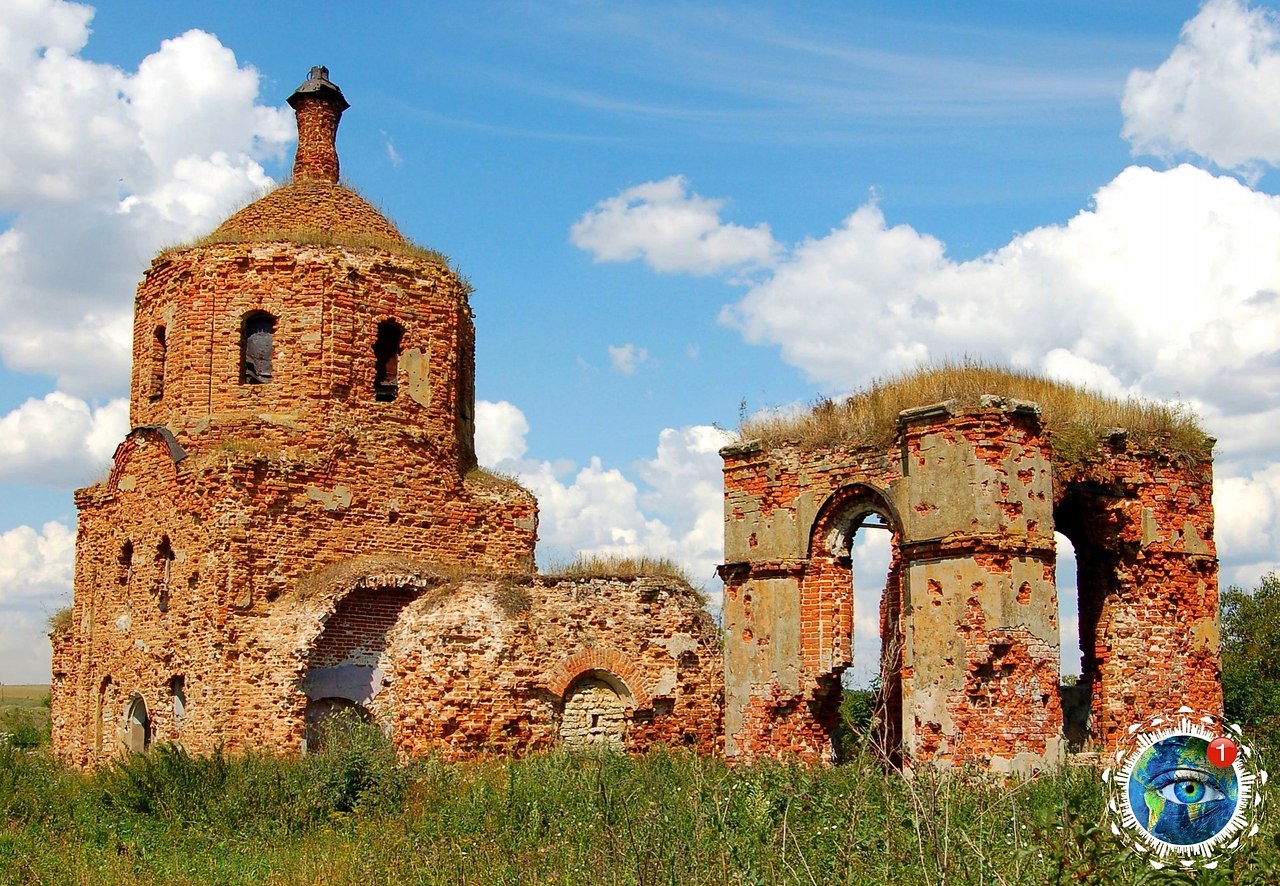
(318, 105)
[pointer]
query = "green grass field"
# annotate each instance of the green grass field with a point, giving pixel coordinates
(352, 815)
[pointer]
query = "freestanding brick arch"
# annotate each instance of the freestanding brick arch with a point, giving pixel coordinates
(973, 495)
(827, 601)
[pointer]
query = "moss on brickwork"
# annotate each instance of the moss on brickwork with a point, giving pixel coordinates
(316, 213)
(1078, 419)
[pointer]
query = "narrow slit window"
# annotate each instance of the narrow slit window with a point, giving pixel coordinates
(164, 568)
(159, 351)
(178, 694)
(386, 352)
(257, 347)
(125, 564)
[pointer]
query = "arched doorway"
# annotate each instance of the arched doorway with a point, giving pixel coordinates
(595, 712)
(854, 549)
(1079, 519)
(345, 662)
(324, 715)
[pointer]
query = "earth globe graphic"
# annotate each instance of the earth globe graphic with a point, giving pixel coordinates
(1178, 796)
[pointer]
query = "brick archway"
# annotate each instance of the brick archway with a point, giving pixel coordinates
(623, 667)
(828, 604)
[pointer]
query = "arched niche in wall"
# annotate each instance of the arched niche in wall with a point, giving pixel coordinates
(345, 661)
(137, 726)
(594, 713)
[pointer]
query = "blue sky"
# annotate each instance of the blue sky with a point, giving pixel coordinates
(667, 211)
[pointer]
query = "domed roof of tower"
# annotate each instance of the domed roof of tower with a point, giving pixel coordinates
(313, 207)
(309, 210)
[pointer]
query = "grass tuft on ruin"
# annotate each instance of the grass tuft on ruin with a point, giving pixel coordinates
(617, 566)
(1077, 418)
(311, 237)
(59, 621)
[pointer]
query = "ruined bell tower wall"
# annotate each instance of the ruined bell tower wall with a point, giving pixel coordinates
(969, 615)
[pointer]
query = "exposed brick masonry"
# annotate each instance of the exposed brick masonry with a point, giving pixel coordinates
(969, 614)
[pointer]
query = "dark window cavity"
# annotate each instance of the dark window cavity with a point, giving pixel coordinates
(257, 343)
(159, 350)
(386, 351)
(164, 569)
(125, 564)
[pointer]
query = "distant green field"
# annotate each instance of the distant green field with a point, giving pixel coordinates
(22, 695)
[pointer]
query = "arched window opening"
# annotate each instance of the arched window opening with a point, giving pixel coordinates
(164, 571)
(177, 692)
(137, 737)
(124, 568)
(872, 696)
(159, 350)
(595, 712)
(257, 345)
(1076, 694)
(386, 352)
(869, 555)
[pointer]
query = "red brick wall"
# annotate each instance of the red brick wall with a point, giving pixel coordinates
(973, 500)
(483, 667)
(356, 632)
(317, 156)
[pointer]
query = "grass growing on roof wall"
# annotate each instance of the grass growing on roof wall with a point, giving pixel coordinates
(618, 566)
(313, 237)
(1076, 417)
(321, 237)
(351, 815)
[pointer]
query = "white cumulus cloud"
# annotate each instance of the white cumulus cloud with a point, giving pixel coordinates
(60, 440)
(500, 430)
(99, 168)
(672, 230)
(1215, 95)
(675, 509)
(36, 568)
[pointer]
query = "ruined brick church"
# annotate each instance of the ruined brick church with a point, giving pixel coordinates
(296, 524)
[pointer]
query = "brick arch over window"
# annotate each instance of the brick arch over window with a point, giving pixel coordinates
(571, 668)
(344, 659)
(827, 601)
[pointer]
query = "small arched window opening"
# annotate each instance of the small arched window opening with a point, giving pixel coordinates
(257, 345)
(159, 350)
(386, 352)
(124, 564)
(137, 736)
(164, 571)
(177, 692)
